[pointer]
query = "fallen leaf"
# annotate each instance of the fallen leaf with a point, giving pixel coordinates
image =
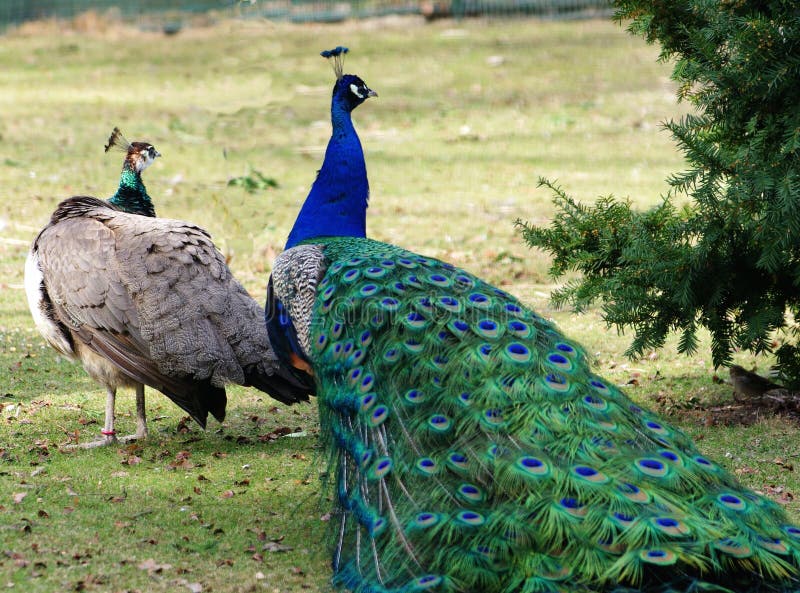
(277, 433)
(19, 497)
(227, 494)
(181, 461)
(153, 567)
(276, 547)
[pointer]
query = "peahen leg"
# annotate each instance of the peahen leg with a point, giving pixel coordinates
(141, 417)
(109, 436)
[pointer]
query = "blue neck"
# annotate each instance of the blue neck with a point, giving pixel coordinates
(337, 203)
(131, 195)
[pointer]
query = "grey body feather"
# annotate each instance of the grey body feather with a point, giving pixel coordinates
(295, 276)
(151, 301)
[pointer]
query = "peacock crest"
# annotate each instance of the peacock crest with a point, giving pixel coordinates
(336, 57)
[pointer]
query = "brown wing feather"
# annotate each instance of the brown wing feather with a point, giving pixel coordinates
(196, 317)
(78, 258)
(156, 297)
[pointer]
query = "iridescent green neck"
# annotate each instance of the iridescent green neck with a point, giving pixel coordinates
(131, 195)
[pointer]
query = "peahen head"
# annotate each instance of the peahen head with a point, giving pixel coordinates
(131, 196)
(138, 155)
(337, 202)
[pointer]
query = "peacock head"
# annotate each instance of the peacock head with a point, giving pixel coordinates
(349, 91)
(138, 155)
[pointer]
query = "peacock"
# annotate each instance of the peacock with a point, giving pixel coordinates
(471, 446)
(147, 301)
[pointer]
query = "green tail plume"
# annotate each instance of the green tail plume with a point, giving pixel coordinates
(474, 450)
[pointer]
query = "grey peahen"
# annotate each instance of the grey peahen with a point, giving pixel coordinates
(146, 301)
(472, 448)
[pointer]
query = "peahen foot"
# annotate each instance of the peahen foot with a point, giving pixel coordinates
(105, 439)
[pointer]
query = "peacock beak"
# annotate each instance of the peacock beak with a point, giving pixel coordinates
(371, 93)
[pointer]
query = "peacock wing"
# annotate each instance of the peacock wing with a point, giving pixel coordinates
(474, 449)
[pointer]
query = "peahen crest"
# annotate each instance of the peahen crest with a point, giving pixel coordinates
(118, 141)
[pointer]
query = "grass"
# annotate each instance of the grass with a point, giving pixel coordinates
(470, 114)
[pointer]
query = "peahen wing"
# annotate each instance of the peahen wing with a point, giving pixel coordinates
(78, 255)
(196, 318)
(474, 450)
(156, 298)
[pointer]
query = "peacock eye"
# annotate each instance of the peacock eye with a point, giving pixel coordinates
(356, 90)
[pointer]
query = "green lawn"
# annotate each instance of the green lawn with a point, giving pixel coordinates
(470, 114)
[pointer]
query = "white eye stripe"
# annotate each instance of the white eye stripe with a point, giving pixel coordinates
(356, 91)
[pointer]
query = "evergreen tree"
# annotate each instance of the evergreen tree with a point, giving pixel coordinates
(730, 260)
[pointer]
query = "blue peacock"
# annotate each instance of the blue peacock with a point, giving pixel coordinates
(471, 446)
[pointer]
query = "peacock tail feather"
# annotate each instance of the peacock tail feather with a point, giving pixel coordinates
(473, 449)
